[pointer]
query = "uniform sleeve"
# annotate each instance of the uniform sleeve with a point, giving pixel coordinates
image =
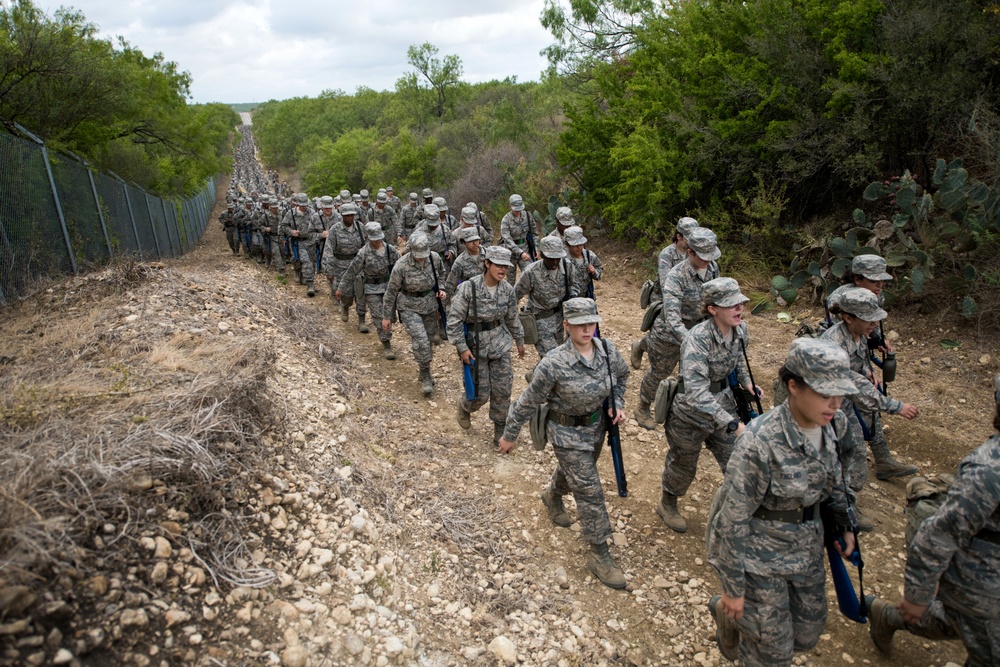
(972, 499)
(697, 383)
(284, 227)
(329, 250)
(352, 271)
(663, 265)
(523, 284)
(514, 322)
(595, 261)
(621, 371)
(870, 399)
(672, 299)
(451, 282)
(391, 292)
(573, 278)
(461, 307)
(507, 241)
(536, 393)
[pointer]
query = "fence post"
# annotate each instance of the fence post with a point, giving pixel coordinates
(55, 195)
(131, 215)
(152, 227)
(166, 225)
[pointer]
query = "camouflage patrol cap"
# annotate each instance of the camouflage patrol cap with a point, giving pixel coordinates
(364, 195)
(374, 231)
(871, 267)
(473, 206)
(574, 235)
(427, 193)
(230, 205)
(564, 214)
(498, 255)
(862, 304)
(581, 311)
(326, 201)
(468, 214)
(822, 365)
(265, 199)
(348, 209)
(704, 244)
(356, 198)
(469, 234)
(722, 292)
(686, 225)
(388, 188)
(516, 203)
(431, 212)
(413, 196)
(382, 198)
(300, 199)
(441, 203)
(345, 196)
(380, 190)
(552, 247)
(420, 245)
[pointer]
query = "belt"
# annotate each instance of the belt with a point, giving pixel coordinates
(799, 515)
(376, 281)
(987, 535)
(416, 294)
(575, 420)
(343, 256)
(542, 314)
(486, 326)
(718, 385)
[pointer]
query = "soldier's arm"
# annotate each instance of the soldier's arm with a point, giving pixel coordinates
(697, 383)
(663, 265)
(459, 312)
(595, 261)
(391, 292)
(356, 265)
(621, 371)
(523, 284)
(451, 282)
(514, 322)
(672, 299)
(536, 393)
(742, 376)
(507, 240)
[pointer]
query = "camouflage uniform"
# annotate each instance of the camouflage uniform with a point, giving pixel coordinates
(366, 213)
(497, 309)
(376, 267)
(573, 236)
(411, 293)
(244, 223)
(273, 246)
(408, 221)
(573, 385)
(309, 227)
(386, 217)
(470, 221)
(514, 230)
(394, 202)
(439, 238)
(342, 246)
(668, 259)
(465, 267)
(775, 564)
(681, 311)
(546, 290)
(228, 220)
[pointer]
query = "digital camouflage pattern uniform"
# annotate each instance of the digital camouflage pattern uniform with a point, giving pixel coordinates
(575, 386)
(228, 220)
(395, 203)
(573, 236)
(514, 229)
(387, 218)
(496, 311)
(546, 290)
(775, 565)
(465, 267)
(410, 293)
(408, 220)
(274, 249)
(309, 227)
(376, 267)
(470, 221)
(342, 245)
(439, 239)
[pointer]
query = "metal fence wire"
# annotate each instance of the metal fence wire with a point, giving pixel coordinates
(58, 216)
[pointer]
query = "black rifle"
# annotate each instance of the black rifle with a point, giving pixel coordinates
(614, 434)
(850, 603)
(440, 303)
(589, 293)
(530, 238)
(753, 384)
(742, 398)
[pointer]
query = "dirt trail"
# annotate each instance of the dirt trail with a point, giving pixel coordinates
(455, 549)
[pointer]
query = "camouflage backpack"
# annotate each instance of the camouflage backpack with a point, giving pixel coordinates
(924, 496)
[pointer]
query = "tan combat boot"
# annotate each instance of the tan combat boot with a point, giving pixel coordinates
(387, 350)
(601, 566)
(644, 416)
(884, 620)
(635, 358)
(557, 511)
(726, 634)
(667, 510)
(464, 418)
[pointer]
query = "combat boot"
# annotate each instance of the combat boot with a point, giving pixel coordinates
(636, 357)
(644, 416)
(865, 525)
(387, 350)
(892, 468)
(557, 511)
(726, 634)
(344, 311)
(464, 418)
(667, 510)
(601, 566)
(311, 291)
(498, 429)
(884, 620)
(362, 327)
(426, 382)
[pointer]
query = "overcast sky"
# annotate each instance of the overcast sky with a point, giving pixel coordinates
(256, 50)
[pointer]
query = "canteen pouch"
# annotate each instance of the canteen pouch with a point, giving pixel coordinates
(650, 316)
(646, 294)
(665, 394)
(359, 288)
(530, 328)
(536, 427)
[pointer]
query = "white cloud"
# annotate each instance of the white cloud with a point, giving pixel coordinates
(255, 50)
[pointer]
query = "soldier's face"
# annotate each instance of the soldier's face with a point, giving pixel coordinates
(681, 243)
(859, 327)
(870, 285)
(550, 263)
(729, 317)
(327, 211)
(697, 262)
(809, 407)
(580, 334)
(497, 271)
(301, 208)
(472, 247)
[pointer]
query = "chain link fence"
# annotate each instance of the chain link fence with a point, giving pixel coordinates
(58, 216)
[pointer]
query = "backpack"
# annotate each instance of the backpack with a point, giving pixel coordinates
(924, 495)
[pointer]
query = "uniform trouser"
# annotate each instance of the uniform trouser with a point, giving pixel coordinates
(550, 333)
(244, 241)
(981, 636)
(781, 615)
(233, 239)
(519, 263)
(420, 327)
(275, 253)
(853, 453)
(374, 303)
(684, 440)
(339, 269)
(576, 473)
(663, 356)
(306, 252)
(495, 381)
(877, 443)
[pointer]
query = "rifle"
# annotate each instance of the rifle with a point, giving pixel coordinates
(742, 397)
(888, 361)
(441, 314)
(589, 292)
(847, 598)
(530, 239)
(470, 371)
(614, 434)
(756, 398)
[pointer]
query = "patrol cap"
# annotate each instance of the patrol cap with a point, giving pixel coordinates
(388, 188)
(822, 365)
(473, 206)
(723, 292)
(356, 198)
(300, 199)
(552, 247)
(420, 245)
(861, 303)
(469, 234)
(265, 199)
(345, 196)
(380, 190)
(431, 212)
(364, 195)
(580, 311)
(230, 205)
(686, 225)
(440, 202)
(574, 235)
(382, 198)
(516, 203)
(374, 231)
(348, 209)
(498, 255)
(413, 196)
(468, 214)
(326, 201)
(704, 244)
(871, 267)
(564, 214)
(427, 193)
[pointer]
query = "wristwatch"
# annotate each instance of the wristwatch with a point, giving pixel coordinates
(732, 426)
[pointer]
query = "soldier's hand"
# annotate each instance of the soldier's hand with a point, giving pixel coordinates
(617, 416)
(591, 270)
(525, 257)
(739, 430)
(732, 607)
(467, 357)
(386, 325)
(910, 411)
(520, 351)
(295, 232)
(506, 446)
(911, 613)
(325, 233)
(339, 294)
(442, 295)
(849, 544)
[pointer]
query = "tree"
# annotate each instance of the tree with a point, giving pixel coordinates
(440, 74)
(589, 31)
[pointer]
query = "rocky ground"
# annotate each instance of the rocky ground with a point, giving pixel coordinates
(317, 510)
